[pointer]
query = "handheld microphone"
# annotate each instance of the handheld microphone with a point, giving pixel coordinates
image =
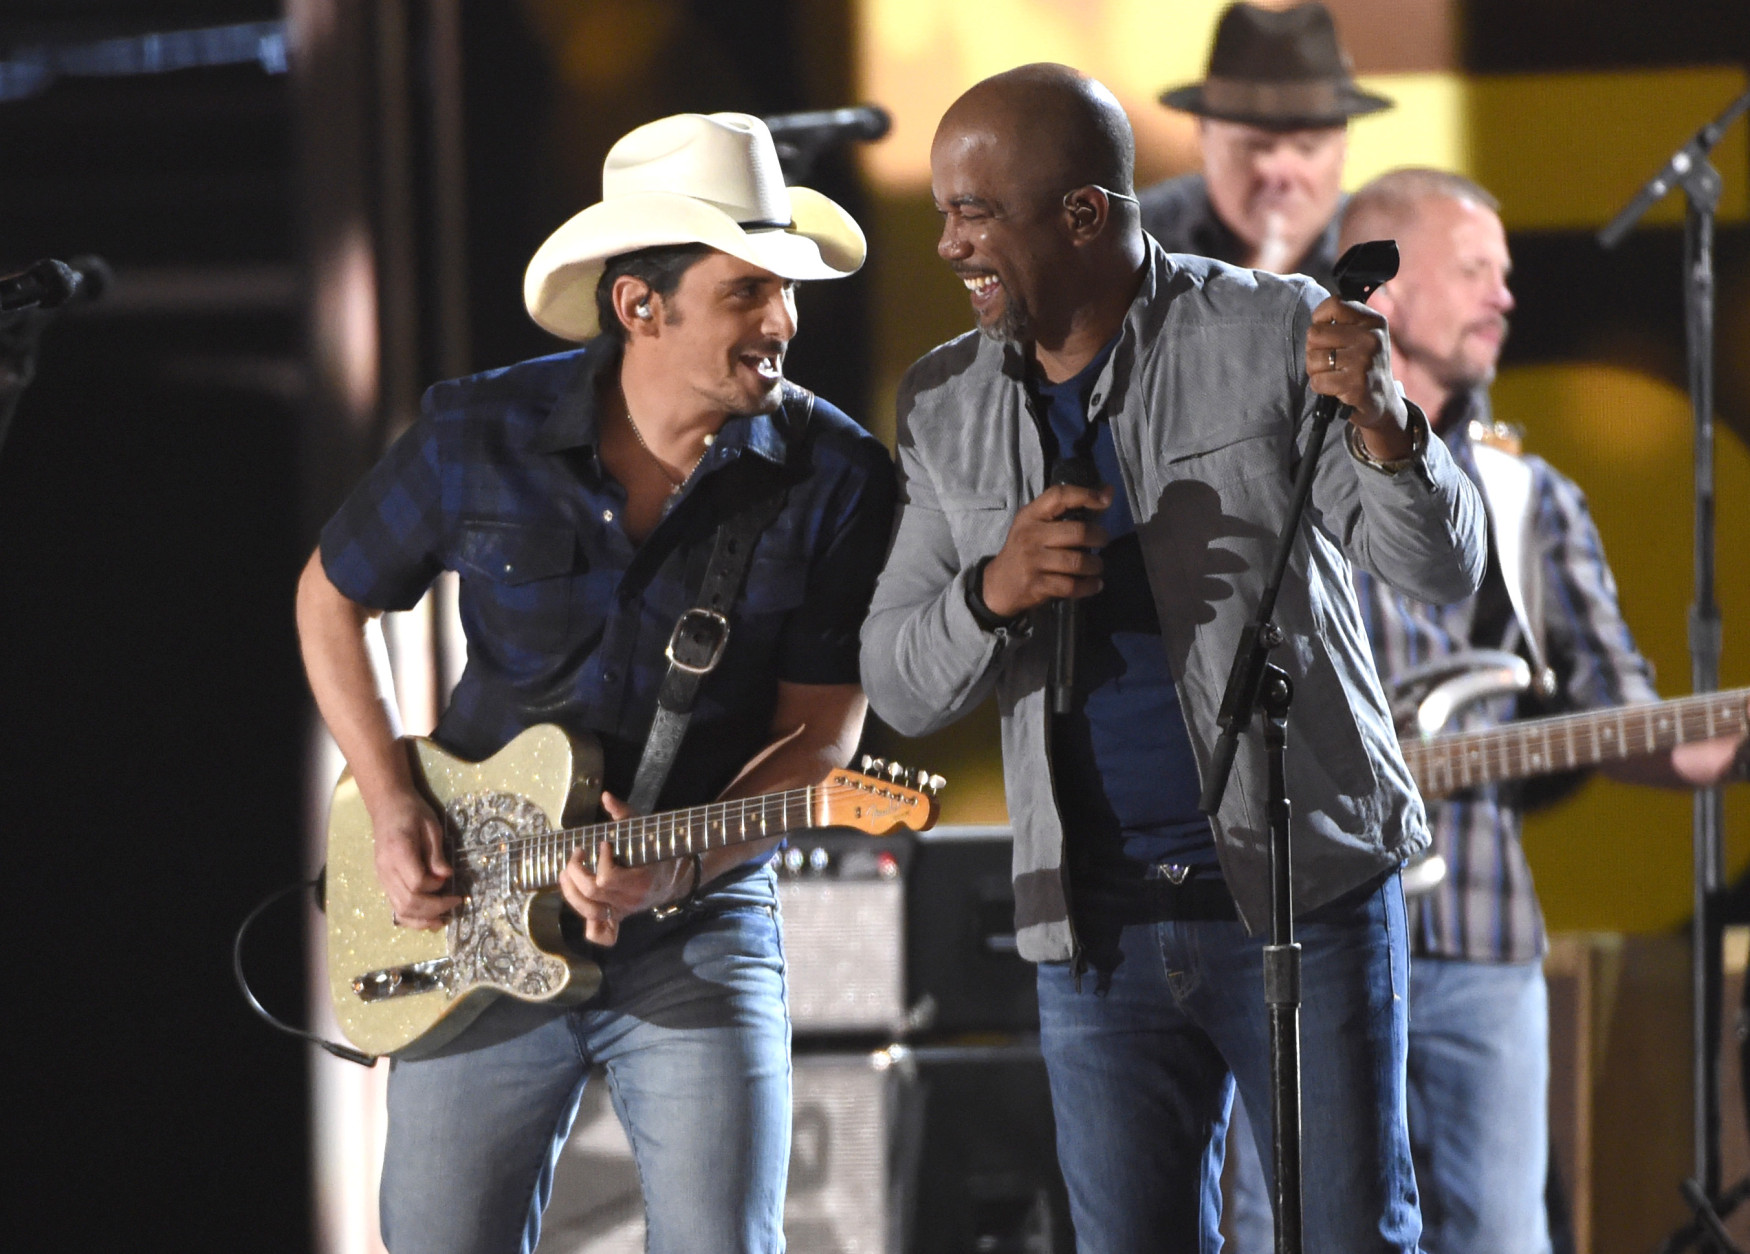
(824, 126)
(1075, 472)
(1361, 271)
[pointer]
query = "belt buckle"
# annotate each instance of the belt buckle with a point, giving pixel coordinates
(705, 618)
(1175, 873)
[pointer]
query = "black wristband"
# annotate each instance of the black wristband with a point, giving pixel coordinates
(986, 617)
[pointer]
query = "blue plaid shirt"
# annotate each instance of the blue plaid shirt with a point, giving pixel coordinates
(566, 619)
(1485, 909)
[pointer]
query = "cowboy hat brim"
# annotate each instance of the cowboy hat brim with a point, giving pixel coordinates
(821, 242)
(1350, 101)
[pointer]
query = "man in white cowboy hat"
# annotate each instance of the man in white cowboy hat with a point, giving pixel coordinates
(1273, 113)
(580, 497)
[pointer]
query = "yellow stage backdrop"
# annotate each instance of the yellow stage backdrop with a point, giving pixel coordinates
(1562, 151)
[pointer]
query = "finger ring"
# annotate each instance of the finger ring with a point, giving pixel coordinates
(1331, 356)
(607, 914)
(394, 918)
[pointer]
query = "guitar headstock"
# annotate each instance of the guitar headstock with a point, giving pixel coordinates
(879, 798)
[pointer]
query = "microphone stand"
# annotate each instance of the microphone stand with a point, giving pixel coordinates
(1254, 683)
(1690, 169)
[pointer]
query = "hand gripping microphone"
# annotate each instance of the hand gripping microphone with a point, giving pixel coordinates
(1075, 472)
(1360, 272)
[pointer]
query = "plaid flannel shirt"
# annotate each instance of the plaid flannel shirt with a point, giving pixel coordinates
(1486, 909)
(566, 619)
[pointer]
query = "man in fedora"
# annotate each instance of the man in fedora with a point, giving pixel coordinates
(1273, 113)
(580, 498)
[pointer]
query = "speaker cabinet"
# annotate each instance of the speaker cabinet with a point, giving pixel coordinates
(932, 1151)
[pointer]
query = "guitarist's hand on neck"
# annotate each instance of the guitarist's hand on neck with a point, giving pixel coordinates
(605, 898)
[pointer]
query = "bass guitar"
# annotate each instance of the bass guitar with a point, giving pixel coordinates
(511, 823)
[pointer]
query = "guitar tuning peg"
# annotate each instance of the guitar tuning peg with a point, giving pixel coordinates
(873, 766)
(933, 784)
(895, 772)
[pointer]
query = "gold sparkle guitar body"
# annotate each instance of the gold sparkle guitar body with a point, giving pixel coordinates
(511, 823)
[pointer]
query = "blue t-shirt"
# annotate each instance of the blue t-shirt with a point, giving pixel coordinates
(1121, 760)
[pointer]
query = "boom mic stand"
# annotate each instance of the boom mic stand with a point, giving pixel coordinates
(1690, 169)
(1255, 684)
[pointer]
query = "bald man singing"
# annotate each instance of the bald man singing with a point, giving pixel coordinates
(1187, 385)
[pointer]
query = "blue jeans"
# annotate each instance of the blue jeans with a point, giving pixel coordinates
(1144, 1058)
(692, 1029)
(1478, 1103)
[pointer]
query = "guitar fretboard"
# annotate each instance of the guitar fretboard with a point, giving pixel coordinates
(1448, 764)
(537, 861)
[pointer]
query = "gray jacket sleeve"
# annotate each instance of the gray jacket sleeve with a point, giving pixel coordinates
(1421, 530)
(925, 659)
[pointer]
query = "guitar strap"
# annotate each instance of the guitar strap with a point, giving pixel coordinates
(700, 636)
(1507, 489)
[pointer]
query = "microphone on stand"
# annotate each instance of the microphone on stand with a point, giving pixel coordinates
(49, 284)
(823, 126)
(45, 285)
(800, 138)
(29, 302)
(1075, 472)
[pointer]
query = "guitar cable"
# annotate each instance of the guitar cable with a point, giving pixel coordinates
(316, 885)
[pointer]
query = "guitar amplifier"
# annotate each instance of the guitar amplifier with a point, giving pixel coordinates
(908, 937)
(841, 900)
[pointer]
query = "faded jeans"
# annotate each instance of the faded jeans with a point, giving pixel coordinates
(692, 1029)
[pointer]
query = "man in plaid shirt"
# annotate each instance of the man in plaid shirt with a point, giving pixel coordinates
(578, 496)
(1479, 1031)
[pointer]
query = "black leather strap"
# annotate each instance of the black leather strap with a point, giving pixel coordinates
(702, 633)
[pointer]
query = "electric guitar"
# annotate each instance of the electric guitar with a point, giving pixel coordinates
(511, 823)
(1443, 765)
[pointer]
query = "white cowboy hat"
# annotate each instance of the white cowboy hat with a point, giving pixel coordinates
(689, 179)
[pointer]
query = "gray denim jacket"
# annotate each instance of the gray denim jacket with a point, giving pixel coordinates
(1206, 393)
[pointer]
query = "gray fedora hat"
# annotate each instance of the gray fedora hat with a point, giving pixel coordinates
(1276, 68)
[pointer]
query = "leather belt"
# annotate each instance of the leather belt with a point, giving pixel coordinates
(1201, 897)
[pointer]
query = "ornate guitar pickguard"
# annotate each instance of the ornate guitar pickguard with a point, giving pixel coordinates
(488, 935)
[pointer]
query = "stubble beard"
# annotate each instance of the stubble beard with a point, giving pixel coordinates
(1013, 326)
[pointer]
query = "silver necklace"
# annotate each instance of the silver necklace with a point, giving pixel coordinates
(675, 485)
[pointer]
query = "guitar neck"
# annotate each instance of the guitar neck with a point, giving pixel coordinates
(1449, 764)
(672, 834)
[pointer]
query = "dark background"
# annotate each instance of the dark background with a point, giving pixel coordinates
(159, 491)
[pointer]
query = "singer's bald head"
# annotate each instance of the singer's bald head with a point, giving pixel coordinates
(1062, 126)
